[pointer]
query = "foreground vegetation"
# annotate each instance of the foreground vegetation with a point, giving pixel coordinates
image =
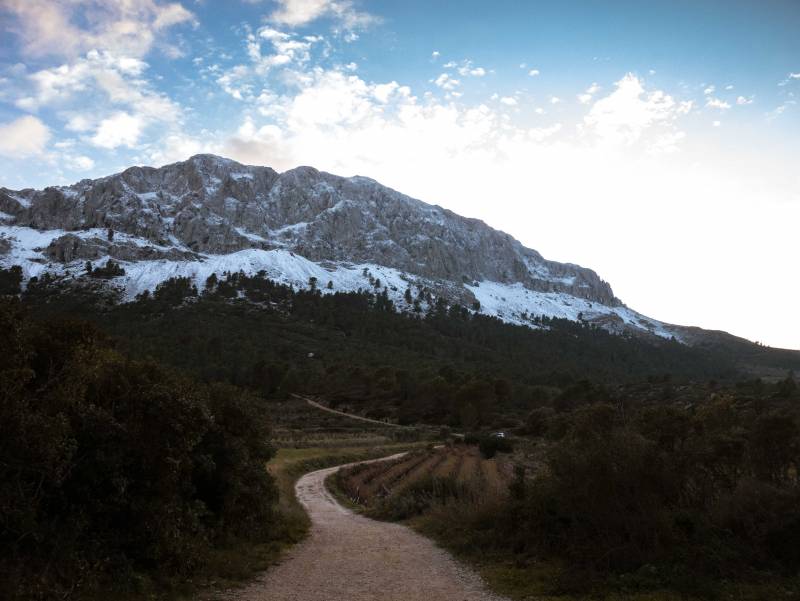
(119, 472)
(619, 501)
(134, 440)
(122, 478)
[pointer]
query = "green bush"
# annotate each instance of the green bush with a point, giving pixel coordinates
(114, 469)
(696, 495)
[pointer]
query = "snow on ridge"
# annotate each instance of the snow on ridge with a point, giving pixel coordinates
(514, 303)
(23, 202)
(28, 243)
(249, 235)
(291, 228)
(280, 265)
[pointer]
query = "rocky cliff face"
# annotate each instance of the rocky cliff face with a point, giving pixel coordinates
(208, 205)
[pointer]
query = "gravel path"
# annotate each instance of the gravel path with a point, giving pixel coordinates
(348, 557)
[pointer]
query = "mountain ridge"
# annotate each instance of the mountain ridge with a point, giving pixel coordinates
(210, 214)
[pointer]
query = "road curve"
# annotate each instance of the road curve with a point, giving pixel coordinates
(344, 414)
(349, 557)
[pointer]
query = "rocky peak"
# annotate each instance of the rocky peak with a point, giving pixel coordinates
(208, 205)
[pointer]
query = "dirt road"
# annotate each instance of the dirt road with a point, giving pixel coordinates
(350, 415)
(348, 557)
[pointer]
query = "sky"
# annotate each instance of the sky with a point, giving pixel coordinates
(656, 143)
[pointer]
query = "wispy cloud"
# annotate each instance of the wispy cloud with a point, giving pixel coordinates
(716, 103)
(69, 29)
(586, 97)
(296, 13)
(23, 137)
(104, 94)
(446, 82)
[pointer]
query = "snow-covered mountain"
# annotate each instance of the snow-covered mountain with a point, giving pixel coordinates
(210, 215)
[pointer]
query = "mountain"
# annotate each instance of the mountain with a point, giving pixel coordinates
(210, 215)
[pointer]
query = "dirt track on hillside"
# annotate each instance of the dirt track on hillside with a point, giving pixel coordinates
(348, 557)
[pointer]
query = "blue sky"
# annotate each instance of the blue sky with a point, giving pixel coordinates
(654, 142)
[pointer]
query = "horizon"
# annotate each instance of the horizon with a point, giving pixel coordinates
(666, 164)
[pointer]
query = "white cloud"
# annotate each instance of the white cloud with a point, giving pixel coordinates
(24, 137)
(446, 82)
(100, 76)
(509, 101)
(466, 68)
(533, 72)
(744, 100)
(716, 123)
(235, 81)
(102, 93)
(435, 54)
(78, 162)
(555, 100)
(177, 147)
(371, 125)
(286, 50)
(587, 96)
(716, 103)
(120, 129)
(709, 90)
(623, 117)
(295, 13)
(780, 109)
(540, 134)
(729, 87)
(666, 143)
(68, 29)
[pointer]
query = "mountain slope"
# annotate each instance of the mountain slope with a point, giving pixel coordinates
(210, 215)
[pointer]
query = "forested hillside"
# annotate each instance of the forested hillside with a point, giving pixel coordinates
(450, 366)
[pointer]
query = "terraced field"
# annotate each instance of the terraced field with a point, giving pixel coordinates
(456, 468)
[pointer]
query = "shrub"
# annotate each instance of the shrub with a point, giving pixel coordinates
(490, 445)
(112, 468)
(110, 270)
(11, 280)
